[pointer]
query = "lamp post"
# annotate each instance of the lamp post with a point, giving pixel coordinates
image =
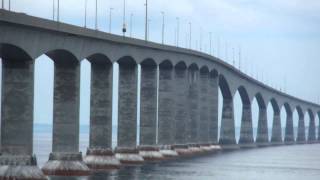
(2, 4)
(53, 9)
(96, 19)
(110, 19)
(190, 36)
(146, 23)
(58, 13)
(200, 41)
(148, 29)
(124, 28)
(9, 5)
(162, 27)
(85, 13)
(210, 43)
(131, 18)
(178, 30)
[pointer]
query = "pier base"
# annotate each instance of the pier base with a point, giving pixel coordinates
(129, 156)
(168, 152)
(20, 167)
(150, 153)
(66, 164)
(182, 150)
(101, 159)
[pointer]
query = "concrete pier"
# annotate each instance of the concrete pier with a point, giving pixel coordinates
(193, 105)
(126, 150)
(246, 132)
(312, 128)
(227, 133)
(148, 111)
(204, 103)
(99, 153)
(213, 94)
(166, 109)
(289, 135)
(16, 160)
(262, 134)
(65, 158)
(301, 129)
(276, 137)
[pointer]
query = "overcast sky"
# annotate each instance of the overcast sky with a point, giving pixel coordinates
(279, 38)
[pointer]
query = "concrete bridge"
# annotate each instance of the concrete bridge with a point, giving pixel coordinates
(179, 100)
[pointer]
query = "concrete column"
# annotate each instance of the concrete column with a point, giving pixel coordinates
(166, 111)
(65, 147)
(262, 135)
(276, 129)
(213, 94)
(193, 106)
(148, 105)
(227, 132)
(126, 150)
(312, 130)
(203, 129)
(99, 153)
(181, 112)
(301, 130)
(16, 160)
(246, 132)
(289, 135)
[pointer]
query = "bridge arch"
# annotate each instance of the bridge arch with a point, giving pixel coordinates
(287, 124)
(300, 134)
(262, 133)
(149, 62)
(276, 136)
(127, 61)
(63, 57)
(224, 87)
(99, 59)
(312, 126)
(167, 64)
(181, 65)
(12, 52)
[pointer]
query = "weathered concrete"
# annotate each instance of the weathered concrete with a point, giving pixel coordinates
(227, 132)
(16, 159)
(301, 130)
(246, 132)
(99, 153)
(289, 135)
(166, 109)
(193, 105)
(213, 94)
(262, 134)
(148, 103)
(276, 137)
(65, 158)
(312, 130)
(204, 103)
(181, 113)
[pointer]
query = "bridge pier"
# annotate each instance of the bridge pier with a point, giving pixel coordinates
(301, 130)
(148, 116)
(312, 130)
(65, 159)
(99, 154)
(213, 100)
(227, 132)
(276, 138)
(246, 132)
(126, 150)
(289, 135)
(262, 135)
(166, 110)
(16, 159)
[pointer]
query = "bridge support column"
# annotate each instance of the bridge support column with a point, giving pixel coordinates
(126, 150)
(99, 153)
(289, 135)
(276, 138)
(213, 100)
(246, 132)
(227, 132)
(301, 130)
(148, 112)
(312, 130)
(166, 110)
(65, 160)
(193, 109)
(16, 159)
(262, 135)
(181, 109)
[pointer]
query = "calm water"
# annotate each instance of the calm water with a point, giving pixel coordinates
(277, 163)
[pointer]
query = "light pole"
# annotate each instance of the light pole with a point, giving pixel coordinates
(210, 39)
(226, 51)
(85, 13)
(148, 29)
(2, 4)
(124, 28)
(53, 9)
(146, 23)
(96, 19)
(9, 5)
(178, 24)
(131, 17)
(190, 28)
(162, 27)
(110, 20)
(58, 13)
(240, 58)
(218, 47)
(200, 41)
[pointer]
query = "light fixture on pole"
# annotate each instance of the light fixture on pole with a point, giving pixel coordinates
(190, 36)
(178, 30)
(58, 13)
(162, 27)
(146, 23)
(85, 13)
(131, 18)
(124, 27)
(53, 9)
(96, 19)
(210, 46)
(148, 29)
(110, 19)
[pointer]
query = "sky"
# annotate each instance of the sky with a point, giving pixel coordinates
(279, 39)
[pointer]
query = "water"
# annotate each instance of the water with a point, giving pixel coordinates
(277, 163)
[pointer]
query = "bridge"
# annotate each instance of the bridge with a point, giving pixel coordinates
(178, 100)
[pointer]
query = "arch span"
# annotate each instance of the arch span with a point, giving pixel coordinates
(12, 52)
(276, 137)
